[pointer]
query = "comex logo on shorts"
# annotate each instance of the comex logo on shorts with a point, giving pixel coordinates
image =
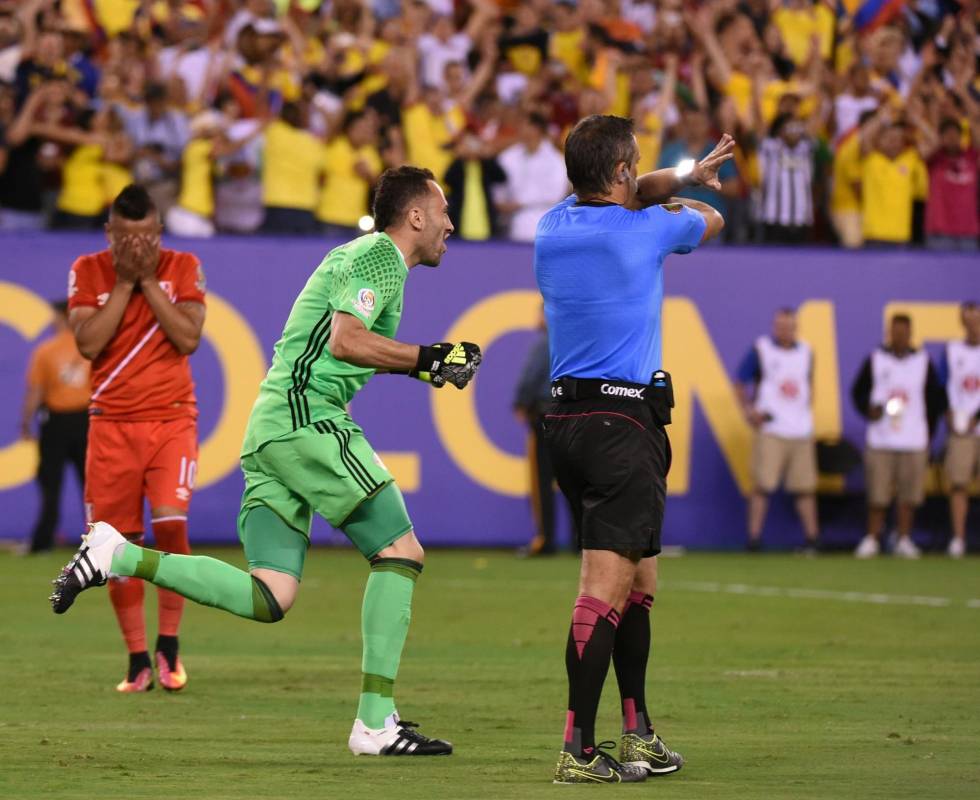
(623, 391)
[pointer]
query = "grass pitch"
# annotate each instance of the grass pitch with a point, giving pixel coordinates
(768, 677)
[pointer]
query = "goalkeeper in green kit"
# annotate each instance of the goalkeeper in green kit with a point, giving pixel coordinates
(303, 453)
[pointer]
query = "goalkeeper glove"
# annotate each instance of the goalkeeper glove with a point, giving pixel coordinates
(445, 362)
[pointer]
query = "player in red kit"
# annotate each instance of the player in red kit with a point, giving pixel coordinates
(137, 311)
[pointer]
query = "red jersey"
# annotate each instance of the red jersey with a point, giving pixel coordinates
(952, 206)
(139, 375)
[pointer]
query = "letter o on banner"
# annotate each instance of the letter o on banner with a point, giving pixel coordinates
(29, 315)
(242, 370)
(454, 413)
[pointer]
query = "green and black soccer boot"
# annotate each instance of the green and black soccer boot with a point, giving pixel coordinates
(649, 753)
(602, 768)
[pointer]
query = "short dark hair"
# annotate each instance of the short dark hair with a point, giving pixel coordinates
(788, 311)
(397, 189)
(538, 120)
(291, 114)
(133, 202)
(948, 123)
(901, 319)
(592, 150)
(969, 305)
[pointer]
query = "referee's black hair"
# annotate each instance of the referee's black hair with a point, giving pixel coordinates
(397, 189)
(901, 319)
(134, 203)
(593, 149)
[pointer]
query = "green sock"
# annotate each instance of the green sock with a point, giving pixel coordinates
(385, 616)
(199, 578)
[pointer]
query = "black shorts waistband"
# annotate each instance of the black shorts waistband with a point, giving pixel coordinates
(568, 390)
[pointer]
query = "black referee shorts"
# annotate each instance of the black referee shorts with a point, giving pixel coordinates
(611, 462)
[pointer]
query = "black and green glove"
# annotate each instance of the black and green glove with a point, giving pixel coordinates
(445, 362)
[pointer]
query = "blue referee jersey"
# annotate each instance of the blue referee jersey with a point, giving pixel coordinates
(600, 271)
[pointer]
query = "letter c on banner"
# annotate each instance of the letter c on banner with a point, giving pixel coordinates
(27, 314)
(242, 370)
(454, 413)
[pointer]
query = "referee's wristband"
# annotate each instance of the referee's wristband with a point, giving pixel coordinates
(684, 172)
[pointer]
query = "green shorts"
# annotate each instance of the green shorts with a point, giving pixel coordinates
(329, 468)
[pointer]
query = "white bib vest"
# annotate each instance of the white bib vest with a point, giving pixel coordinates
(963, 385)
(902, 381)
(784, 388)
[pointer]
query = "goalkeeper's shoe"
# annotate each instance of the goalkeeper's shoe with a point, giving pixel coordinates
(88, 567)
(142, 682)
(172, 676)
(649, 753)
(396, 738)
(601, 768)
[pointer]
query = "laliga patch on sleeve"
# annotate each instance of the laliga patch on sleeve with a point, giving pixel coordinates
(365, 302)
(201, 282)
(673, 208)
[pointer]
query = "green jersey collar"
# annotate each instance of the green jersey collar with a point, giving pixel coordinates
(401, 257)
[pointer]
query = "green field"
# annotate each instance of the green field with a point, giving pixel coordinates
(776, 687)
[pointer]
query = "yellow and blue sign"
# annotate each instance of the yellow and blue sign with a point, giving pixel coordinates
(459, 456)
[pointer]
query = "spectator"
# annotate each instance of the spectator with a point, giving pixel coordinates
(57, 395)
(470, 183)
(952, 216)
(893, 177)
(899, 393)
(238, 182)
(856, 100)
(444, 45)
(160, 134)
(193, 215)
(351, 165)
(292, 161)
(536, 180)
(21, 181)
(775, 387)
(430, 122)
(960, 374)
(845, 194)
(92, 173)
(786, 173)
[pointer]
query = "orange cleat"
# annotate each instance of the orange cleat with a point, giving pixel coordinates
(142, 683)
(172, 679)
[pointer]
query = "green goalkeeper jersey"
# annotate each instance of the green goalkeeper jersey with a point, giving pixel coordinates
(306, 384)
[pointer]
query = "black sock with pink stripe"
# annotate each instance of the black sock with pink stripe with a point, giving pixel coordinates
(587, 656)
(630, 654)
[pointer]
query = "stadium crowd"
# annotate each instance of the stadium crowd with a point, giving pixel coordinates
(857, 122)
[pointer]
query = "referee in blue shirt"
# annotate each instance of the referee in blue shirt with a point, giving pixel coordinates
(598, 259)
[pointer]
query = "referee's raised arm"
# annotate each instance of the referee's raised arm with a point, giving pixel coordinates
(660, 185)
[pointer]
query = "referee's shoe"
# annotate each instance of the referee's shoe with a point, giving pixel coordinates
(649, 753)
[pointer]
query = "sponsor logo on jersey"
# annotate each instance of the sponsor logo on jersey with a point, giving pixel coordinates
(623, 391)
(365, 302)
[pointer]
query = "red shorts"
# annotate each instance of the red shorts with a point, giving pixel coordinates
(127, 461)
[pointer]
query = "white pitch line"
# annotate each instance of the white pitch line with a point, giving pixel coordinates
(874, 598)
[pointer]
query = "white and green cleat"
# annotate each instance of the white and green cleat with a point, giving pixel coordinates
(649, 753)
(602, 768)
